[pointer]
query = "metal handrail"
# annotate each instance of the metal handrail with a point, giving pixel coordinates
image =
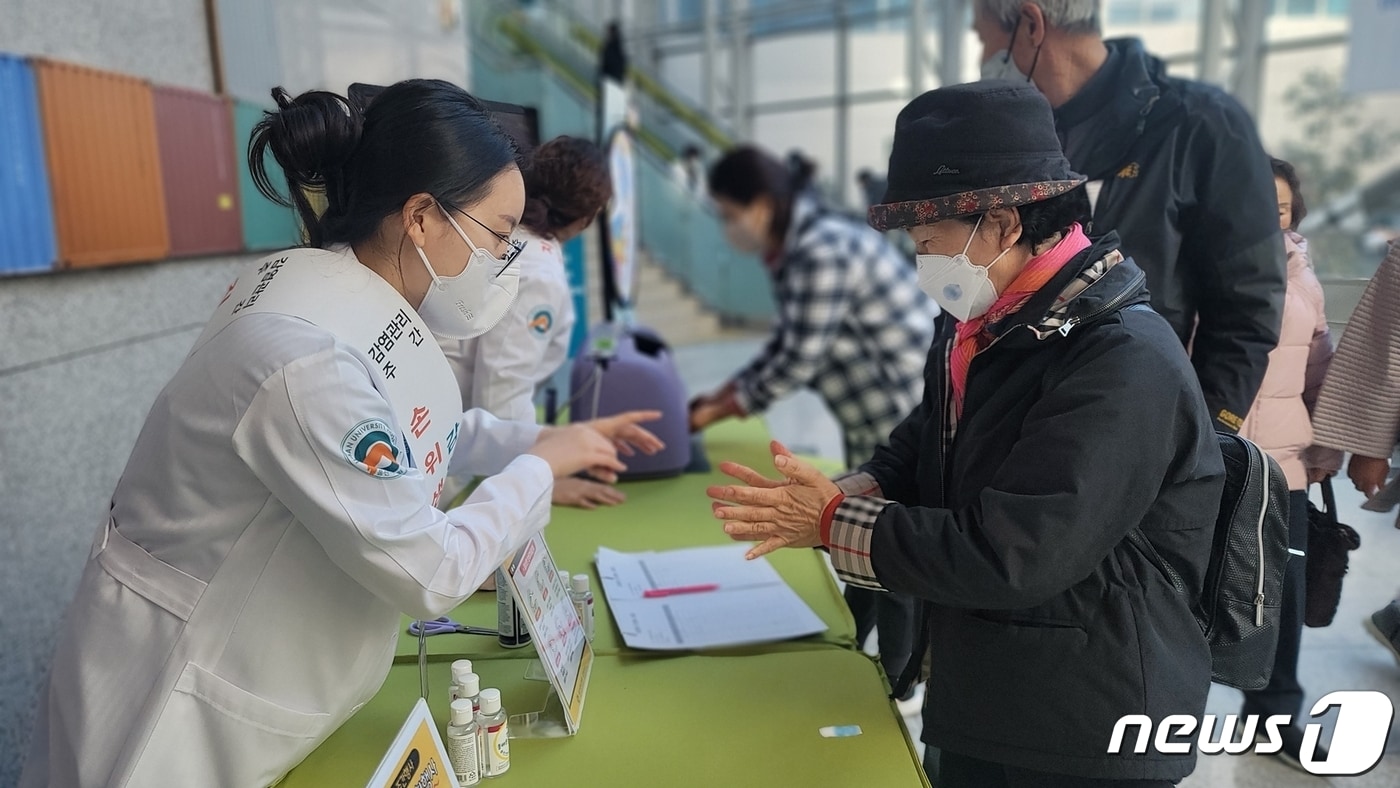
(679, 231)
(572, 43)
(665, 97)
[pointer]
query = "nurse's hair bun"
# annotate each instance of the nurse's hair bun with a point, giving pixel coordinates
(311, 137)
(370, 156)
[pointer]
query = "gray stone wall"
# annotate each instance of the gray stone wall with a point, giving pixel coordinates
(166, 41)
(84, 354)
(82, 357)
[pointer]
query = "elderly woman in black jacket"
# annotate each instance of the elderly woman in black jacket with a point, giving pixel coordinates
(1059, 414)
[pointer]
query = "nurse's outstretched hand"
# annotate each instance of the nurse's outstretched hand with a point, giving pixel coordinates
(585, 494)
(624, 431)
(783, 512)
(575, 448)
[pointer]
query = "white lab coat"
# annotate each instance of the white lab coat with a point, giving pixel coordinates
(244, 598)
(499, 370)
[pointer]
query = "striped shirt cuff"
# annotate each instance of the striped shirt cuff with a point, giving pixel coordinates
(745, 399)
(857, 483)
(848, 539)
(736, 404)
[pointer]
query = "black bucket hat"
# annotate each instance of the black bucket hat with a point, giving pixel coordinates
(966, 149)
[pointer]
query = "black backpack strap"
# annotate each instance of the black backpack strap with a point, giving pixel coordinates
(1137, 537)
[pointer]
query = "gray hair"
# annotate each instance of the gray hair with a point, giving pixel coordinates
(1070, 16)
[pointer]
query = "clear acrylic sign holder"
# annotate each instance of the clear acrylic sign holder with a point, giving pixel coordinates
(565, 656)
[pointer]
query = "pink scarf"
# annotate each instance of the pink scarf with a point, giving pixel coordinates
(972, 336)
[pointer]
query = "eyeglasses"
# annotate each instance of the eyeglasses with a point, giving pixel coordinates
(515, 247)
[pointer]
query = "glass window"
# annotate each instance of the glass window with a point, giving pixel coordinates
(1300, 7)
(1124, 12)
(689, 11)
(1338, 7)
(1163, 12)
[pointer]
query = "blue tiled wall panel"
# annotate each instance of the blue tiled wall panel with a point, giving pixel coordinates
(26, 212)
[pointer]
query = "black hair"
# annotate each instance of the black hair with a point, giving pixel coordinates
(691, 150)
(1041, 221)
(747, 173)
(567, 180)
(361, 94)
(369, 157)
(1284, 170)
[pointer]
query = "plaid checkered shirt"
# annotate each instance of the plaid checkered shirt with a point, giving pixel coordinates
(852, 324)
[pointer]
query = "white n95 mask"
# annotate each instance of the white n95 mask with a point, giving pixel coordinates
(962, 288)
(1001, 66)
(471, 303)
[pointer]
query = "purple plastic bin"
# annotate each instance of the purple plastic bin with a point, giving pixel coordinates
(622, 369)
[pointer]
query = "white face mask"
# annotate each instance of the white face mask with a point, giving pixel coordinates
(962, 288)
(746, 231)
(1001, 66)
(742, 239)
(471, 303)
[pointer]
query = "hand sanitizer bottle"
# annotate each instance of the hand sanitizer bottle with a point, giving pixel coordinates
(462, 742)
(495, 735)
(460, 669)
(583, 604)
(510, 619)
(471, 690)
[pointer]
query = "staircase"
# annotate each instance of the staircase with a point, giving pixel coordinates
(664, 304)
(692, 287)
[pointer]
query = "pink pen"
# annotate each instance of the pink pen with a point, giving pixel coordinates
(656, 593)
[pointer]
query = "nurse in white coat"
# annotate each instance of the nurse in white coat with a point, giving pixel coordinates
(276, 514)
(567, 184)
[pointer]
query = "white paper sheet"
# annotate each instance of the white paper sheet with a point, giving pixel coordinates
(752, 603)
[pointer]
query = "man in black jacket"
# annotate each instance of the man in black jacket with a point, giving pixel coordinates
(1179, 173)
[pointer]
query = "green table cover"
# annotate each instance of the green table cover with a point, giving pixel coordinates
(658, 515)
(666, 721)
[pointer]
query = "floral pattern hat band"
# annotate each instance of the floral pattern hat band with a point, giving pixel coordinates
(966, 149)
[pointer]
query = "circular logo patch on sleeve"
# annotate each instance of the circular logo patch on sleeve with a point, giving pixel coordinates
(371, 448)
(541, 320)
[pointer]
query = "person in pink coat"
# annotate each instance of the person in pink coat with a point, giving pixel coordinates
(1280, 422)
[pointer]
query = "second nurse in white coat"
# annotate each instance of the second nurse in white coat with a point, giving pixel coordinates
(277, 513)
(567, 184)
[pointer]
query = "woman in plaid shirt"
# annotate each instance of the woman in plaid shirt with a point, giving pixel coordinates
(852, 325)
